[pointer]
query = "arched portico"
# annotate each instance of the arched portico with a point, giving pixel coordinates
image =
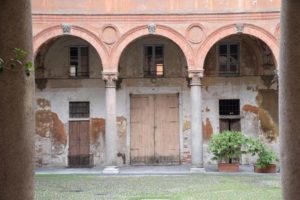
(232, 29)
(80, 32)
(135, 41)
(141, 31)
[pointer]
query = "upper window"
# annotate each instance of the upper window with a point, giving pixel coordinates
(153, 61)
(228, 55)
(79, 61)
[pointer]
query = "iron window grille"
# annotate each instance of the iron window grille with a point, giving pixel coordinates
(229, 107)
(79, 109)
(153, 61)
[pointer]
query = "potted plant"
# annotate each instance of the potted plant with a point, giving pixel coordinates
(227, 149)
(266, 157)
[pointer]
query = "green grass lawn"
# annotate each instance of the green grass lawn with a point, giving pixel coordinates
(200, 186)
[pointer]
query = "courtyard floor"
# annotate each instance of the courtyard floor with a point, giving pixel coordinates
(77, 185)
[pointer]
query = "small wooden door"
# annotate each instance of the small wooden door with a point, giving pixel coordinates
(230, 124)
(154, 129)
(79, 144)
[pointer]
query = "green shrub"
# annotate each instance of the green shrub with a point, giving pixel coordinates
(227, 145)
(265, 155)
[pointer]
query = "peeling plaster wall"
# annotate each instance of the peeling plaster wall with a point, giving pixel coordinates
(256, 88)
(256, 120)
(257, 94)
(59, 98)
(51, 136)
(97, 136)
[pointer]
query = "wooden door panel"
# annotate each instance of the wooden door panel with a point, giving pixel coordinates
(224, 125)
(142, 137)
(79, 146)
(235, 124)
(73, 138)
(84, 139)
(230, 124)
(167, 129)
(154, 129)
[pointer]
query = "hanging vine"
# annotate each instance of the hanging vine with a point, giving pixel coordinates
(17, 60)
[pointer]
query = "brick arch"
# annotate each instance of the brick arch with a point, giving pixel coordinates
(141, 31)
(228, 30)
(56, 31)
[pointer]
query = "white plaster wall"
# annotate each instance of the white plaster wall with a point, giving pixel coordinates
(243, 88)
(60, 98)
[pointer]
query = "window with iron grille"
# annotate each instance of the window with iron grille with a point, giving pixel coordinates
(229, 107)
(229, 59)
(153, 60)
(79, 61)
(79, 109)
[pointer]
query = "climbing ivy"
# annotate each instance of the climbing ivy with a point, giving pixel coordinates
(17, 60)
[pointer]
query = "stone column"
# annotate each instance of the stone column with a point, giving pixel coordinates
(111, 134)
(196, 118)
(289, 98)
(16, 104)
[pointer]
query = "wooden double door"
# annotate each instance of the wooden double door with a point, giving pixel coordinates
(154, 129)
(79, 144)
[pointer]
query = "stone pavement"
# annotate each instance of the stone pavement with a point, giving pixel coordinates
(142, 170)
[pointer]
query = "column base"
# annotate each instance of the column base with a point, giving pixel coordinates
(197, 170)
(111, 170)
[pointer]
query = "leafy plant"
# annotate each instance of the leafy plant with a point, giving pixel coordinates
(227, 145)
(18, 59)
(265, 155)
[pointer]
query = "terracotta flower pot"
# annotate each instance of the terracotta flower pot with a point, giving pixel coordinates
(227, 167)
(268, 169)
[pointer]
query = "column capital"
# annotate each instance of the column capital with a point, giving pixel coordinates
(110, 78)
(195, 73)
(195, 76)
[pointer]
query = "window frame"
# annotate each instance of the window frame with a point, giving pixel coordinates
(79, 66)
(146, 69)
(230, 115)
(73, 115)
(230, 118)
(228, 53)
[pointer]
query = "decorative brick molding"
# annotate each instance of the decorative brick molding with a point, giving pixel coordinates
(109, 34)
(195, 33)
